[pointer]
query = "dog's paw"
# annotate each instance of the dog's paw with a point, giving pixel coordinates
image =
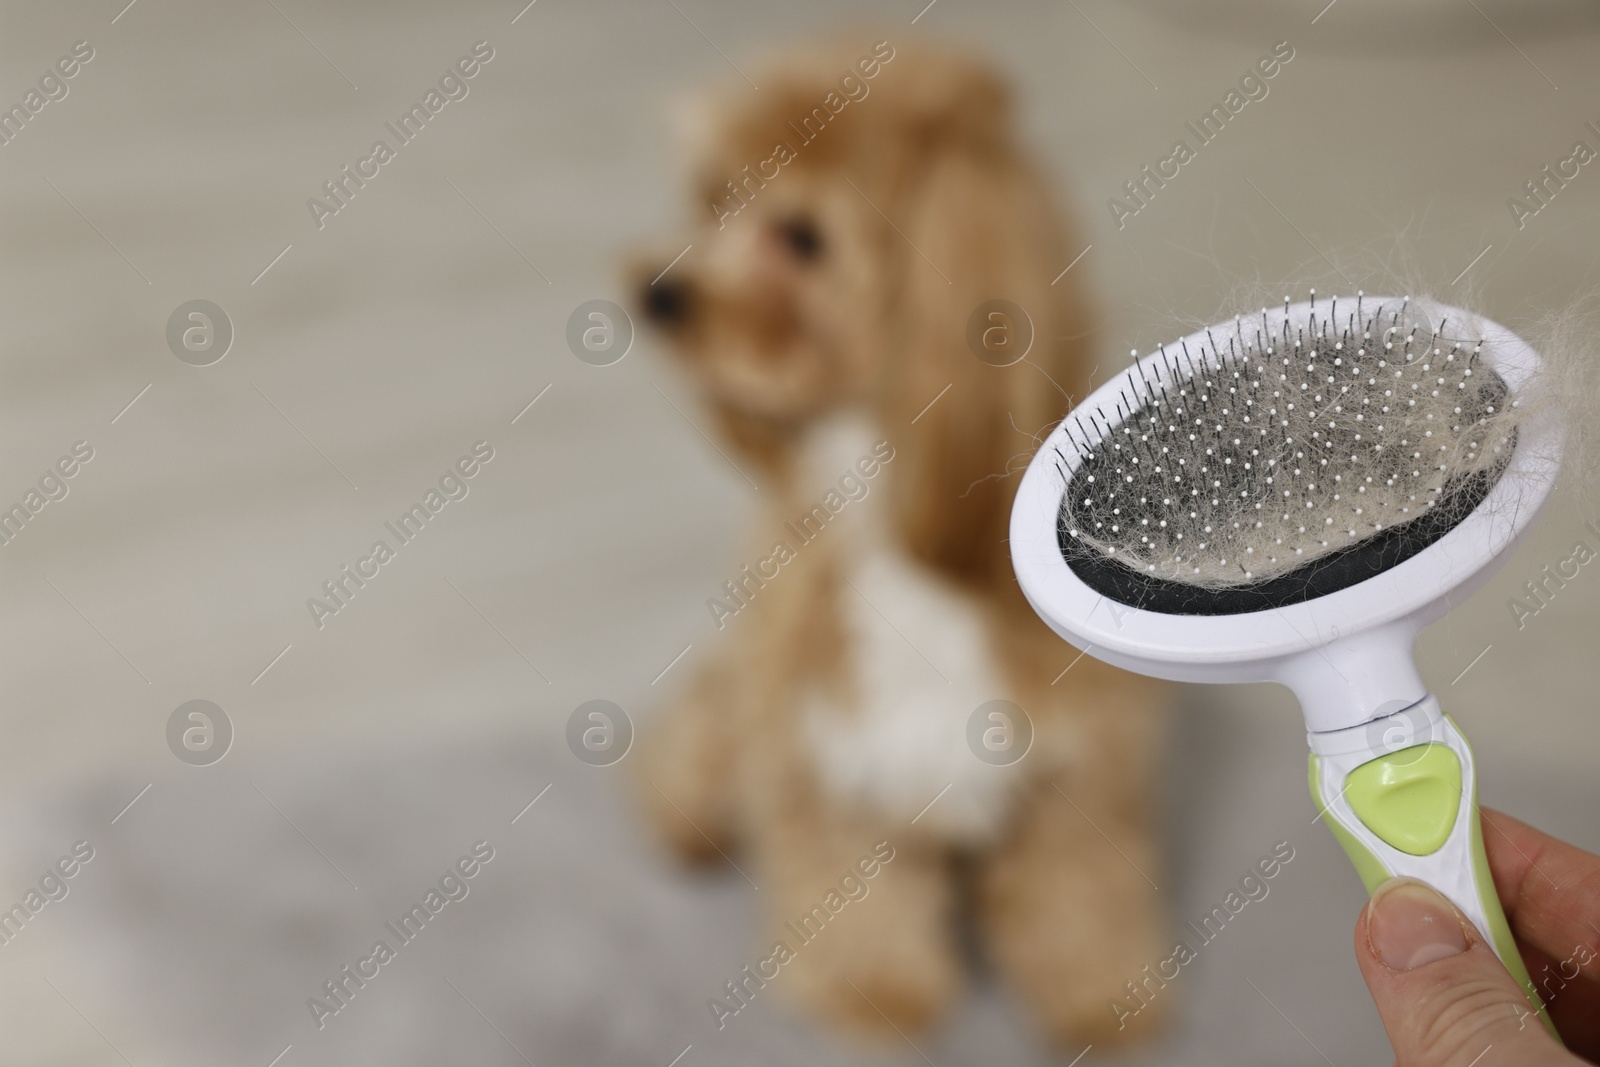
(694, 841)
(1075, 1006)
(877, 984)
(684, 791)
(1088, 976)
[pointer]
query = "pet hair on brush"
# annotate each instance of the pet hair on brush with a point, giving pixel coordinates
(1272, 463)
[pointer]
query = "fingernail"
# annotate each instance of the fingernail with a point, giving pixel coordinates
(1408, 925)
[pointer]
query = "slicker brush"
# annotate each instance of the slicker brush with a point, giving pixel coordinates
(1291, 496)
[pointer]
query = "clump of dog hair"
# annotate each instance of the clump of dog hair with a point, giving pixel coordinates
(1568, 342)
(1281, 438)
(1566, 336)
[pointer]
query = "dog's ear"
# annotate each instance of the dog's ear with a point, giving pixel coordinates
(950, 99)
(978, 227)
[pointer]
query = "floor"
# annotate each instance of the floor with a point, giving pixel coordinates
(371, 353)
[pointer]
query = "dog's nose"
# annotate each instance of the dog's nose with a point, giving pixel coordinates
(665, 302)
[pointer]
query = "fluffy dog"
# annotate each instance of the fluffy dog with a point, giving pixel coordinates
(853, 215)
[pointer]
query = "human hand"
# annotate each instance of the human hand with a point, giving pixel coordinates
(1446, 1000)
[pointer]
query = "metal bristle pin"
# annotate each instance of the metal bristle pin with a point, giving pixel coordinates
(1266, 448)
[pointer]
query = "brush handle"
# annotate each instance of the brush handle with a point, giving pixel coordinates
(1400, 794)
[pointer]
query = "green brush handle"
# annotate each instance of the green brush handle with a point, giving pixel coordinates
(1401, 797)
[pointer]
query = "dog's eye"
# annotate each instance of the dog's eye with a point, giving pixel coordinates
(800, 236)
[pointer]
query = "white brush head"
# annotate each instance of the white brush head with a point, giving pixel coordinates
(1290, 496)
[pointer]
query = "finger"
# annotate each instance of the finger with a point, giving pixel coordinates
(1573, 1004)
(1443, 995)
(1551, 894)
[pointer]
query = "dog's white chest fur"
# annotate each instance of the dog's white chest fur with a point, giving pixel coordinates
(920, 663)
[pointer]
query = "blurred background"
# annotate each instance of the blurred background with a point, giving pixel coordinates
(367, 356)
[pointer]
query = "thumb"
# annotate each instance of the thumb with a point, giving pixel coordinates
(1444, 997)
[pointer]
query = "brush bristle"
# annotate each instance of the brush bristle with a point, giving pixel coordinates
(1268, 447)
